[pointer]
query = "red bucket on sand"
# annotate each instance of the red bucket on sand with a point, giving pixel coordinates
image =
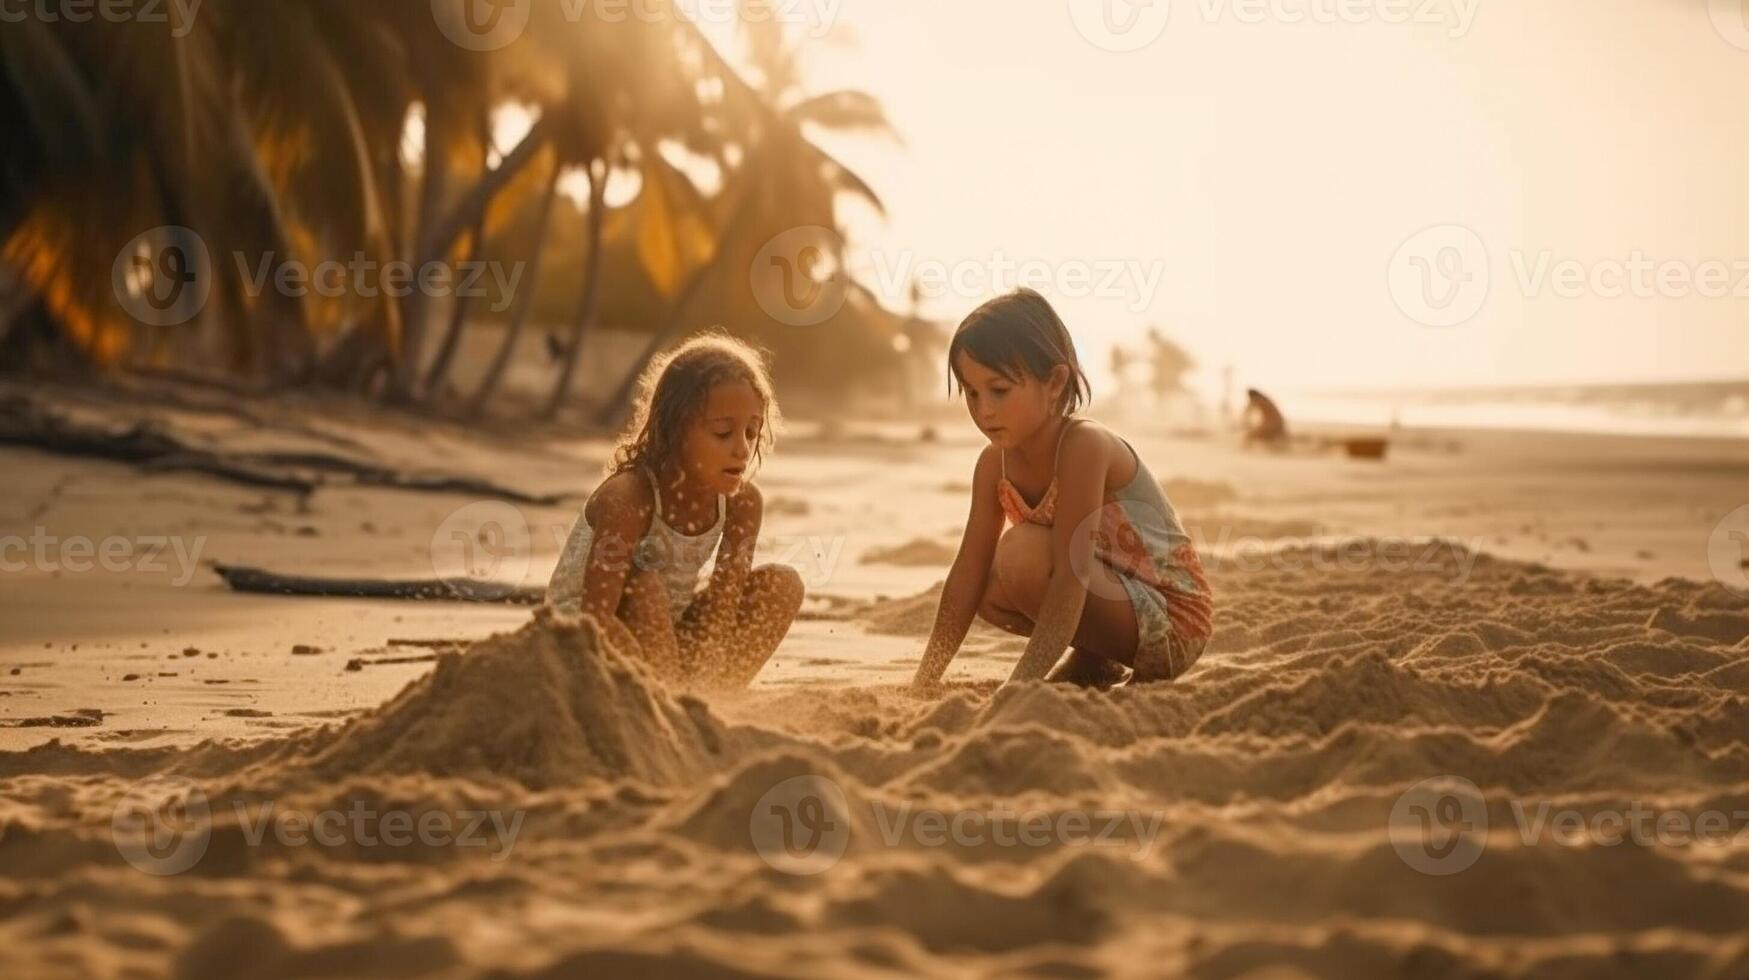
(1365, 448)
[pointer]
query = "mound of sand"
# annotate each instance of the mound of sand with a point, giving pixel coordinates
(552, 704)
(923, 552)
(1250, 815)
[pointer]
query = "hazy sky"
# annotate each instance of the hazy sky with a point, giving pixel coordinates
(1268, 173)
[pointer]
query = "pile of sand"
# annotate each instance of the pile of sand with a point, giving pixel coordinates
(918, 552)
(549, 705)
(1255, 806)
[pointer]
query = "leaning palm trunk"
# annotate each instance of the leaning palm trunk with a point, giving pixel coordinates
(438, 375)
(432, 184)
(591, 293)
(524, 303)
(466, 212)
(615, 408)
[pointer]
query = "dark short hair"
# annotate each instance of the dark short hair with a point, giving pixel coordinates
(1019, 333)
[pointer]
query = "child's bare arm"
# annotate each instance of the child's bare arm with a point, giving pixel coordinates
(718, 607)
(1081, 469)
(969, 575)
(619, 514)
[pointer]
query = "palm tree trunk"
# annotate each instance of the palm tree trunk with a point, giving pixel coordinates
(15, 297)
(458, 314)
(524, 303)
(432, 183)
(614, 409)
(467, 210)
(591, 292)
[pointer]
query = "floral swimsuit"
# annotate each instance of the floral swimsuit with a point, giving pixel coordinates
(1141, 539)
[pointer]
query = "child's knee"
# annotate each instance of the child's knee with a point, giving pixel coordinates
(784, 582)
(1023, 563)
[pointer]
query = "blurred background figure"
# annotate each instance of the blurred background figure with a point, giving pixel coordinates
(1170, 364)
(1264, 424)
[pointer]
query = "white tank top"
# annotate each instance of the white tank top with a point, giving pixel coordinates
(678, 558)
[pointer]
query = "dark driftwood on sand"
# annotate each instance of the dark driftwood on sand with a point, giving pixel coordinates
(257, 580)
(23, 422)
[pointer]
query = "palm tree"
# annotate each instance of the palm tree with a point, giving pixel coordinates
(525, 302)
(294, 114)
(784, 180)
(588, 304)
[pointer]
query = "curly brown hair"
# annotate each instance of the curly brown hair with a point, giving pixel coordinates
(672, 394)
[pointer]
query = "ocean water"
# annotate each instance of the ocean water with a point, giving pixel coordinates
(1683, 409)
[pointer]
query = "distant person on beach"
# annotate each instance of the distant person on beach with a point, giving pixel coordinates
(1264, 424)
(1095, 561)
(1169, 363)
(678, 491)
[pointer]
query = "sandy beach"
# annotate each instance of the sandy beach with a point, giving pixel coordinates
(1518, 637)
(321, 323)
